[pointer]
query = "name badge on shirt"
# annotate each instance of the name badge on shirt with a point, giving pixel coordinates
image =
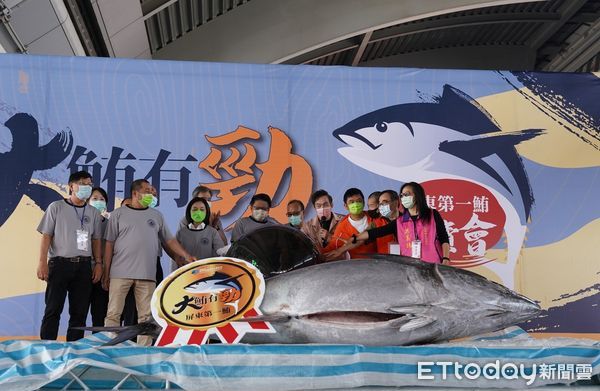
(416, 249)
(82, 239)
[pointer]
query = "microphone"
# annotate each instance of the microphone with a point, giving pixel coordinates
(322, 222)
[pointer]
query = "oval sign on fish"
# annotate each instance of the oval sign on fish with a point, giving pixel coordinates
(208, 293)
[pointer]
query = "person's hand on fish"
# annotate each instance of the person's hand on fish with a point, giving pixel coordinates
(335, 254)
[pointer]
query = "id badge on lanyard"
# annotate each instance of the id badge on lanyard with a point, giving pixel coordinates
(82, 235)
(416, 248)
(82, 239)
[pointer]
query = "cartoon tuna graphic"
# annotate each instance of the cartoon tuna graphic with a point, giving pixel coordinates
(452, 138)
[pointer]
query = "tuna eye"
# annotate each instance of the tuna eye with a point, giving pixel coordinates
(381, 127)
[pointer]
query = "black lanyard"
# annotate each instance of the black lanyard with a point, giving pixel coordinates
(415, 227)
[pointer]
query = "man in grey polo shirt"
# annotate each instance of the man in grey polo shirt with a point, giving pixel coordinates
(260, 204)
(71, 234)
(133, 238)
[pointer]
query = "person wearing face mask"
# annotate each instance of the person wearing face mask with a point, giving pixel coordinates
(214, 218)
(373, 204)
(133, 238)
(260, 204)
(389, 202)
(420, 230)
(356, 222)
(295, 213)
(129, 315)
(99, 297)
(320, 228)
(70, 259)
(198, 238)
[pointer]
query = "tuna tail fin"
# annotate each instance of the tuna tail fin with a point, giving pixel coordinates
(124, 332)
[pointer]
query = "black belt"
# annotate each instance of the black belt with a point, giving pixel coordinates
(73, 259)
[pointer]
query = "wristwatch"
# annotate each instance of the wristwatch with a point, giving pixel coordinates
(353, 239)
(446, 258)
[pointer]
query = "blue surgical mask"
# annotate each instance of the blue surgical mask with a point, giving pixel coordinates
(84, 192)
(154, 202)
(385, 210)
(259, 214)
(408, 202)
(295, 220)
(98, 204)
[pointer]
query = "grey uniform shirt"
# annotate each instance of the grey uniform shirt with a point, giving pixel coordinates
(247, 224)
(62, 220)
(200, 243)
(136, 234)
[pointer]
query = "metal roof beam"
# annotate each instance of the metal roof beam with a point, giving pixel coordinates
(463, 21)
(361, 48)
(579, 52)
(546, 32)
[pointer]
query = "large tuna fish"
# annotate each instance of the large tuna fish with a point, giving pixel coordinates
(387, 300)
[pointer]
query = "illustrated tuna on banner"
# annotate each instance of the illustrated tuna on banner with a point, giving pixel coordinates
(511, 160)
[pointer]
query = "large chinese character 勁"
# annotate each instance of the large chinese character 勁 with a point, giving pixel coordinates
(243, 170)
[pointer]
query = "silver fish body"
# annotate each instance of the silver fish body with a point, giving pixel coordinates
(388, 300)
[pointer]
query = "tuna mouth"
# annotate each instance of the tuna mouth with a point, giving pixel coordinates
(353, 318)
(353, 138)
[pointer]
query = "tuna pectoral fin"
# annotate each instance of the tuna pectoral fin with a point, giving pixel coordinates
(409, 323)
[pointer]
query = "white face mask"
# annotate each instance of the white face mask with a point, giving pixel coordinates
(259, 214)
(324, 212)
(385, 210)
(408, 202)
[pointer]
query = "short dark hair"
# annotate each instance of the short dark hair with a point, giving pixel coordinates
(101, 191)
(374, 194)
(298, 202)
(393, 195)
(351, 192)
(261, 197)
(188, 210)
(125, 200)
(318, 194)
(136, 185)
(201, 189)
(79, 175)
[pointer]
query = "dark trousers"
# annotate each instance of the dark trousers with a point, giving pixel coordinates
(74, 278)
(98, 304)
(129, 316)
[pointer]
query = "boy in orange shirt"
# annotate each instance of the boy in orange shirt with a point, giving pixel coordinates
(356, 222)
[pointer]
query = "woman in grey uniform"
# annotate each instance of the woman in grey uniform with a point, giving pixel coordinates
(198, 238)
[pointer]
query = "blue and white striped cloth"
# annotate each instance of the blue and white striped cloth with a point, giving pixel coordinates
(27, 365)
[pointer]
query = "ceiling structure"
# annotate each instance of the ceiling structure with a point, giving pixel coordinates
(552, 35)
